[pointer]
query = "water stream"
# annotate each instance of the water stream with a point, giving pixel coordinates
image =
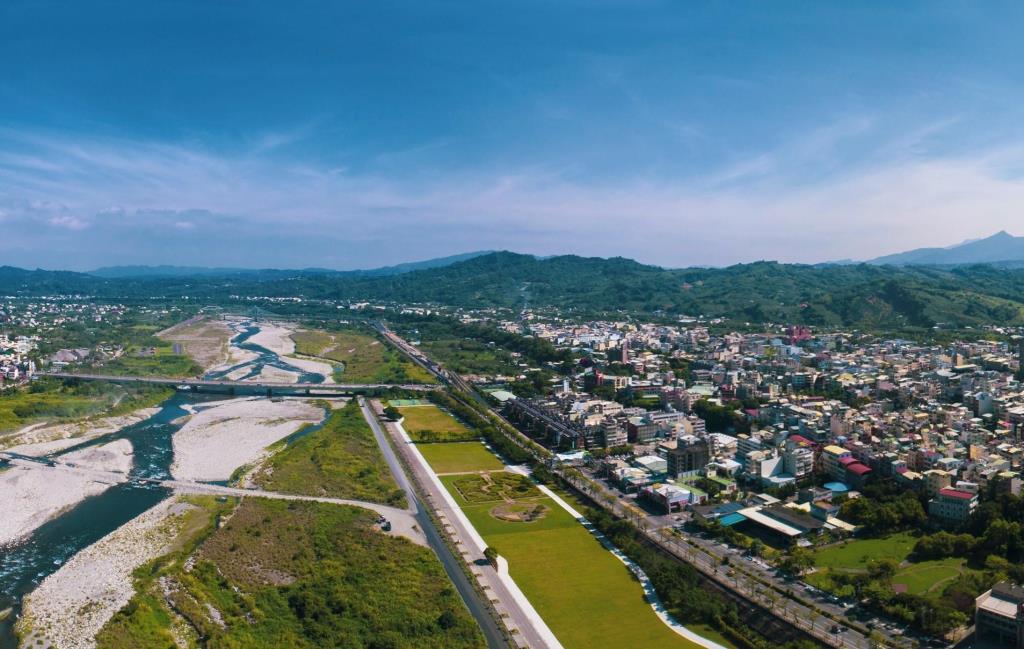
(24, 566)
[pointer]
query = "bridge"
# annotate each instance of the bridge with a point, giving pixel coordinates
(242, 387)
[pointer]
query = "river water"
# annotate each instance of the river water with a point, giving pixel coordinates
(23, 567)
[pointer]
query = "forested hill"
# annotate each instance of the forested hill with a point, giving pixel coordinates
(851, 295)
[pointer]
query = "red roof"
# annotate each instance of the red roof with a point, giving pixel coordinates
(800, 439)
(956, 493)
(848, 460)
(858, 469)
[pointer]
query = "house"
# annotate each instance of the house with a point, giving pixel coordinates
(952, 505)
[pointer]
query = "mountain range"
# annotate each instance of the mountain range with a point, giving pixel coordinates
(1001, 248)
(870, 296)
(117, 272)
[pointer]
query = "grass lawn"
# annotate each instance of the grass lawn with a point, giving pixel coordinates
(920, 578)
(587, 597)
(341, 460)
(431, 424)
(854, 556)
(454, 457)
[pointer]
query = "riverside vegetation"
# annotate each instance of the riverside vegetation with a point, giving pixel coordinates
(268, 574)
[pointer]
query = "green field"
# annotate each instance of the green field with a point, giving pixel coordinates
(927, 576)
(456, 457)
(293, 574)
(594, 601)
(341, 460)
(431, 424)
(853, 556)
(359, 357)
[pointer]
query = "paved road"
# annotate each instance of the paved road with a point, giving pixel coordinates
(506, 602)
(479, 609)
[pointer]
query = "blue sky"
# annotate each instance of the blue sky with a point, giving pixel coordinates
(346, 134)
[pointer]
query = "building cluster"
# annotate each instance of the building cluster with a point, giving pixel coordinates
(791, 409)
(16, 366)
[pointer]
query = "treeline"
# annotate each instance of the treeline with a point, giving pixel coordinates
(681, 587)
(883, 508)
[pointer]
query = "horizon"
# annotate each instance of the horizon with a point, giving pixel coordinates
(195, 135)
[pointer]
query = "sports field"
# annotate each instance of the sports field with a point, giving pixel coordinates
(458, 457)
(586, 596)
(431, 424)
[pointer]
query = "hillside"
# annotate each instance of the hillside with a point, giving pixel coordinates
(857, 295)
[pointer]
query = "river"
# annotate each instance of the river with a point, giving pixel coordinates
(24, 566)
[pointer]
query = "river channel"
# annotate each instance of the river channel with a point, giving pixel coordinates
(24, 566)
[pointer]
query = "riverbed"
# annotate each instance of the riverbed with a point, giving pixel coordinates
(208, 450)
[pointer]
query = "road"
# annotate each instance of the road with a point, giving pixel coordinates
(479, 610)
(507, 604)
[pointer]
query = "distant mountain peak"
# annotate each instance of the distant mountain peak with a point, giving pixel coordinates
(998, 248)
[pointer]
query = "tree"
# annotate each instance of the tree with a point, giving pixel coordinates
(392, 413)
(492, 556)
(796, 561)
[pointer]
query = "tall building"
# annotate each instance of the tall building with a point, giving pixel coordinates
(999, 615)
(687, 455)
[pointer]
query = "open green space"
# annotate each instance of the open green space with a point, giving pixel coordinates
(455, 457)
(853, 556)
(429, 423)
(341, 460)
(928, 576)
(594, 601)
(359, 357)
(496, 486)
(294, 574)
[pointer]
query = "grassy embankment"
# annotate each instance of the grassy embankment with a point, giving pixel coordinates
(56, 401)
(359, 357)
(853, 557)
(341, 460)
(292, 574)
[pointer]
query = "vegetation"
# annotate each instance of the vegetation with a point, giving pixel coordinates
(595, 601)
(51, 400)
(495, 486)
(340, 460)
(359, 356)
(456, 457)
(297, 574)
(907, 299)
(429, 423)
(487, 428)
(154, 360)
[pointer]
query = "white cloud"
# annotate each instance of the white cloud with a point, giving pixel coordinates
(762, 208)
